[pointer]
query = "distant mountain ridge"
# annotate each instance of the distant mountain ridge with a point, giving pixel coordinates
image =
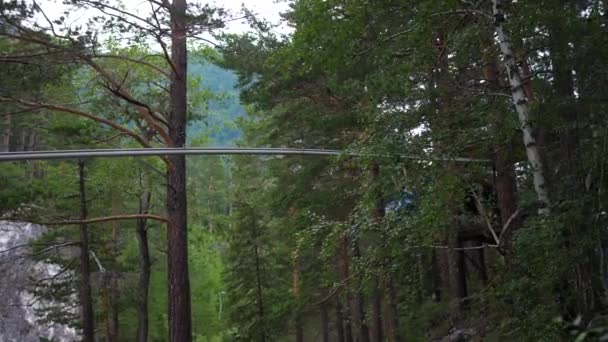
(222, 113)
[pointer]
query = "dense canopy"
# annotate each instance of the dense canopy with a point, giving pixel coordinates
(469, 203)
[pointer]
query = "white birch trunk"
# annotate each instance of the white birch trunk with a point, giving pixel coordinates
(521, 106)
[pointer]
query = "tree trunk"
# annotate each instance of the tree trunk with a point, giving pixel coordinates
(86, 300)
(346, 314)
(296, 294)
(377, 311)
(521, 106)
(378, 332)
(110, 299)
(392, 319)
(569, 152)
(299, 329)
(505, 183)
(436, 276)
(458, 280)
(363, 328)
(440, 101)
(480, 260)
(506, 194)
(259, 299)
(110, 283)
(325, 323)
(573, 173)
(180, 324)
(144, 265)
(339, 320)
(5, 141)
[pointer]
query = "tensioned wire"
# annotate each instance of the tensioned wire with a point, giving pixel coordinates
(166, 151)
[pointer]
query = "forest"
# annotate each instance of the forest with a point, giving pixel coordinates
(465, 200)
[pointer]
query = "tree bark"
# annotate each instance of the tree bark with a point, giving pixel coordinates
(5, 141)
(325, 323)
(392, 319)
(506, 193)
(296, 294)
(110, 297)
(86, 300)
(436, 276)
(480, 260)
(521, 106)
(458, 280)
(180, 324)
(573, 173)
(363, 328)
(378, 332)
(110, 283)
(346, 314)
(377, 310)
(258, 279)
(505, 183)
(440, 102)
(144, 265)
(339, 320)
(299, 329)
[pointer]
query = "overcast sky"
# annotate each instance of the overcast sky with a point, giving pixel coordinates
(267, 9)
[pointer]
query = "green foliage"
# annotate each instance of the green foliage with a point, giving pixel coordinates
(208, 291)
(223, 106)
(417, 91)
(411, 79)
(18, 188)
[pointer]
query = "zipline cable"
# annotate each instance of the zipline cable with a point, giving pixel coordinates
(165, 151)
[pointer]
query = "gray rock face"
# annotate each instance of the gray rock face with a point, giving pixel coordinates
(460, 335)
(18, 321)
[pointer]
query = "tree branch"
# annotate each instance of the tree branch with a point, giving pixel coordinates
(159, 39)
(48, 249)
(25, 245)
(334, 291)
(143, 110)
(137, 61)
(108, 219)
(56, 275)
(38, 106)
(465, 12)
(482, 211)
(391, 37)
(508, 223)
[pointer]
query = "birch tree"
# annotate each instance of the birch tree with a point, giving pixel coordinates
(521, 104)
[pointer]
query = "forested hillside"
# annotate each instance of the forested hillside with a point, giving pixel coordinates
(467, 203)
(223, 110)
